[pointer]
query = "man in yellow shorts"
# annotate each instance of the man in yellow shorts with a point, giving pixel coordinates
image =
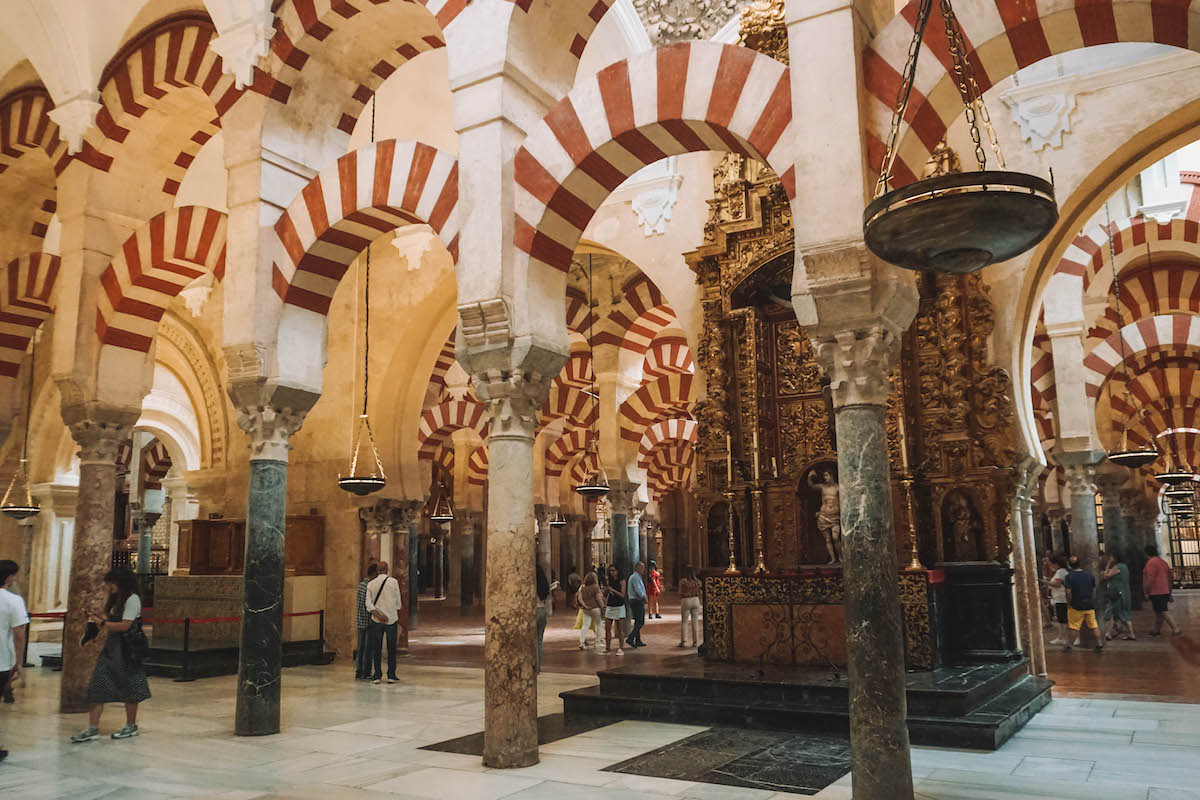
(1081, 585)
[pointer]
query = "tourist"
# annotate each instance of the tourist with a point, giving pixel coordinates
(13, 620)
(384, 606)
(118, 676)
(590, 599)
(543, 611)
(637, 605)
(1058, 596)
(654, 591)
(1048, 569)
(614, 610)
(362, 661)
(1156, 583)
(1081, 586)
(689, 605)
(1118, 607)
(574, 581)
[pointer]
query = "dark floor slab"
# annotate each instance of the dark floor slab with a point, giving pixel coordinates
(551, 728)
(801, 763)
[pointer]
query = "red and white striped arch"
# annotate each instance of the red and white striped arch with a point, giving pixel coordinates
(689, 97)
(1088, 254)
(443, 459)
(669, 396)
(585, 467)
(445, 418)
(171, 54)
(1163, 334)
(580, 318)
(565, 448)
(1155, 385)
(124, 456)
(669, 468)
(666, 356)
(26, 301)
(641, 316)
(1168, 289)
(152, 268)
(477, 466)
(362, 196)
(577, 372)
(662, 434)
(25, 126)
(578, 408)
(437, 378)
(156, 463)
(1001, 36)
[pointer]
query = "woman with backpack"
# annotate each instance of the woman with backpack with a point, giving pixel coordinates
(118, 676)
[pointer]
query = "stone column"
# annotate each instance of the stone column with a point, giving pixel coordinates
(1131, 504)
(1109, 486)
(624, 545)
(510, 685)
(412, 518)
(439, 563)
(1055, 515)
(401, 570)
(857, 363)
(465, 523)
(1025, 564)
(1081, 484)
(183, 507)
(638, 531)
(541, 517)
(259, 660)
(98, 433)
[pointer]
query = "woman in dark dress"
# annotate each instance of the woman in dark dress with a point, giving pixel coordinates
(117, 678)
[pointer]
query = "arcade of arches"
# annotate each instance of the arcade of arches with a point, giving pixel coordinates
(612, 241)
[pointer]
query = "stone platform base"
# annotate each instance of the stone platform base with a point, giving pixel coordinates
(975, 707)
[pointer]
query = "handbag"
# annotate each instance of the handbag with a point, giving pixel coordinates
(579, 620)
(134, 644)
(376, 614)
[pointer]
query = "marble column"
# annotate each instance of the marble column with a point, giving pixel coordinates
(412, 518)
(1081, 485)
(465, 523)
(1055, 516)
(510, 736)
(638, 529)
(98, 438)
(439, 564)
(1133, 553)
(857, 363)
(624, 545)
(401, 568)
(541, 518)
(260, 656)
(1025, 564)
(1115, 535)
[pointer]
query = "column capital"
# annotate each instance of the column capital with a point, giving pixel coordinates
(99, 430)
(1132, 502)
(513, 399)
(858, 364)
(1081, 478)
(270, 414)
(621, 494)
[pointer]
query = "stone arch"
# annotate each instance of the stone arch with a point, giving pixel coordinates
(443, 419)
(365, 194)
(669, 468)
(641, 316)
(477, 466)
(171, 54)
(1150, 335)
(26, 301)
(310, 30)
(580, 317)
(437, 378)
(577, 372)
(575, 405)
(152, 267)
(565, 448)
(662, 434)
(689, 97)
(1088, 254)
(25, 126)
(181, 350)
(668, 397)
(668, 355)
(1001, 37)
(156, 463)
(584, 466)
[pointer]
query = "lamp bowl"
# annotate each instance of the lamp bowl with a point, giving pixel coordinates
(361, 485)
(962, 222)
(1134, 458)
(1180, 491)
(20, 512)
(1174, 478)
(558, 523)
(592, 491)
(440, 518)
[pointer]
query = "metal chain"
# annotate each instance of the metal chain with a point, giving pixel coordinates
(976, 109)
(1116, 289)
(902, 96)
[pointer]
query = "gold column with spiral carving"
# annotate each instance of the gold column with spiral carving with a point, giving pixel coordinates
(760, 564)
(733, 569)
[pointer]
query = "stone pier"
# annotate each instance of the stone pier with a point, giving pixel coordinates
(1081, 484)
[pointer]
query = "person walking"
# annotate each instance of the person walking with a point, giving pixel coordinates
(614, 609)
(1156, 583)
(591, 601)
(654, 590)
(118, 676)
(1118, 605)
(384, 606)
(574, 581)
(362, 661)
(1081, 588)
(1058, 596)
(689, 605)
(637, 605)
(13, 622)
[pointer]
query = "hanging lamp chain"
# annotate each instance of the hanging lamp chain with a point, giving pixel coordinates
(902, 96)
(968, 87)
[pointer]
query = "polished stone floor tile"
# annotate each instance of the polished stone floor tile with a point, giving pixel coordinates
(1059, 769)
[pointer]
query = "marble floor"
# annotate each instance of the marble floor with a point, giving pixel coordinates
(348, 739)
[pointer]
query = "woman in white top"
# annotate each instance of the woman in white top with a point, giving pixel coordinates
(118, 676)
(1058, 597)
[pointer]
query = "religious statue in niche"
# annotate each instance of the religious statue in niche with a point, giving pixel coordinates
(961, 528)
(823, 506)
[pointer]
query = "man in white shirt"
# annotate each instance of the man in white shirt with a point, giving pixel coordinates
(13, 620)
(384, 606)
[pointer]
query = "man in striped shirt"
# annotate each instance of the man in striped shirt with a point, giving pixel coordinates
(362, 665)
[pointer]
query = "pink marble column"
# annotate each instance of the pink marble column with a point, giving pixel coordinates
(91, 553)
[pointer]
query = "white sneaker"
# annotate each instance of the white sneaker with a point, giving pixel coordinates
(583, 647)
(1057, 641)
(620, 652)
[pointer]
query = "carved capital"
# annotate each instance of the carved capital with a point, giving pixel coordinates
(99, 440)
(621, 495)
(485, 323)
(1081, 478)
(513, 399)
(270, 429)
(858, 363)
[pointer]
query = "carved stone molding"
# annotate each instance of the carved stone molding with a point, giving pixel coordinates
(858, 364)
(207, 375)
(74, 117)
(513, 400)
(1081, 478)
(1043, 118)
(485, 323)
(669, 21)
(655, 202)
(243, 42)
(270, 430)
(99, 439)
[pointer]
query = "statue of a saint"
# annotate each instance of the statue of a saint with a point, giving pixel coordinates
(829, 515)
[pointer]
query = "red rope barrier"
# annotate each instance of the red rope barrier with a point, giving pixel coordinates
(169, 621)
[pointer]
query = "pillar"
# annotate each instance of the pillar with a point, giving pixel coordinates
(401, 569)
(260, 656)
(98, 433)
(1115, 534)
(1055, 516)
(624, 542)
(465, 523)
(857, 363)
(541, 517)
(183, 507)
(1025, 566)
(412, 519)
(1131, 503)
(439, 563)
(639, 530)
(1081, 485)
